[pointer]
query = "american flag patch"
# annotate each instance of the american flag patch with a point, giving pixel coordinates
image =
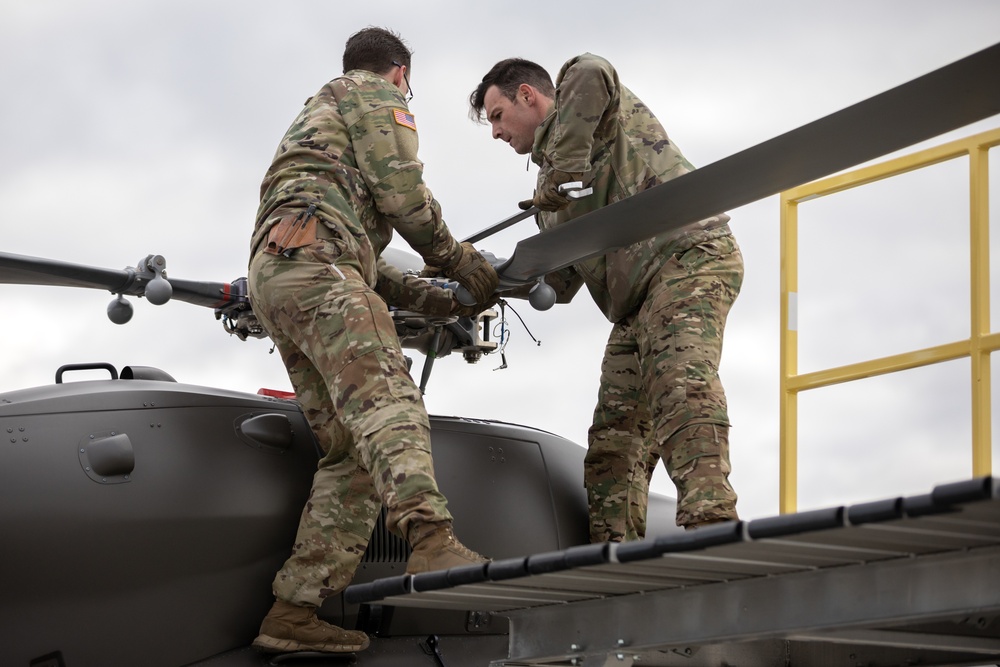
(404, 118)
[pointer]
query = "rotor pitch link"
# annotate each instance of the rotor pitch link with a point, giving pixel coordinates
(502, 225)
(573, 190)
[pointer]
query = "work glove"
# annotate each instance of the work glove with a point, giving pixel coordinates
(474, 273)
(431, 271)
(408, 292)
(548, 197)
(461, 310)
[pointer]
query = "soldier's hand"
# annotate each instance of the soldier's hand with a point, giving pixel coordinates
(548, 197)
(430, 271)
(461, 310)
(473, 272)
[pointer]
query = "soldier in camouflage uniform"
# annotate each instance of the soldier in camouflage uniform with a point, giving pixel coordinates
(660, 395)
(345, 176)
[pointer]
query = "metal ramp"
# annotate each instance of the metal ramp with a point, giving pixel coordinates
(903, 581)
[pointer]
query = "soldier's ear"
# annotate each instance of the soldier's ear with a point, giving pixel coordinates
(526, 93)
(397, 76)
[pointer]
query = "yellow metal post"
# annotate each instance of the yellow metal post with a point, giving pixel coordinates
(980, 309)
(788, 415)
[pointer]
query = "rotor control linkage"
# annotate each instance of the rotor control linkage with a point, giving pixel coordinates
(573, 190)
(158, 290)
(146, 279)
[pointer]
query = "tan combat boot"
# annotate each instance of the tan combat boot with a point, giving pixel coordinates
(289, 627)
(435, 547)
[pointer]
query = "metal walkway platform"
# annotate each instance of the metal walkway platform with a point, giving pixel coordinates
(902, 581)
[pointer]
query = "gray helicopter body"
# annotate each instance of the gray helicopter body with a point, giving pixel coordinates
(144, 520)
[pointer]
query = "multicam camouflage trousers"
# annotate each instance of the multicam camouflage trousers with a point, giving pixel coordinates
(340, 349)
(661, 398)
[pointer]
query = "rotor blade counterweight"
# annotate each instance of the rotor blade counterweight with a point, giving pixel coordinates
(948, 98)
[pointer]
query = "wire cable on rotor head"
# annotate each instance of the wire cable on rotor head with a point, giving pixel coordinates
(537, 342)
(504, 333)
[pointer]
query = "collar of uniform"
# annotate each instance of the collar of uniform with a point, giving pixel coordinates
(542, 136)
(363, 76)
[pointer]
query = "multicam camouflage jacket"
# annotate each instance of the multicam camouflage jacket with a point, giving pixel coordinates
(352, 153)
(598, 127)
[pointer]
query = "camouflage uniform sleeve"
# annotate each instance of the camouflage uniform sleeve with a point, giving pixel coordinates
(385, 144)
(566, 282)
(587, 92)
(409, 292)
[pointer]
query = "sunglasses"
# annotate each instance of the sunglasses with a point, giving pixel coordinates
(409, 88)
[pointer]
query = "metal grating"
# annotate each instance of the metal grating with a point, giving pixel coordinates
(858, 577)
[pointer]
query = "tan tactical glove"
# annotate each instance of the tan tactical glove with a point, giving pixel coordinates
(474, 273)
(430, 271)
(462, 310)
(411, 293)
(548, 197)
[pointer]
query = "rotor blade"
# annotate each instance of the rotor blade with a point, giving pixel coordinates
(24, 270)
(945, 99)
(204, 293)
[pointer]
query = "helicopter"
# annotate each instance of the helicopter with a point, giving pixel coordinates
(145, 518)
(165, 494)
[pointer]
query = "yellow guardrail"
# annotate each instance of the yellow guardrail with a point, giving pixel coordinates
(978, 346)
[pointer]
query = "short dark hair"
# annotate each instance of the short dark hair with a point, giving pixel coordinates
(375, 50)
(508, 75)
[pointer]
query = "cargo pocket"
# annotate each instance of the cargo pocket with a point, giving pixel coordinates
(362, 339)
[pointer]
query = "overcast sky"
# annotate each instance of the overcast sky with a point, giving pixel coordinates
(130, 128)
